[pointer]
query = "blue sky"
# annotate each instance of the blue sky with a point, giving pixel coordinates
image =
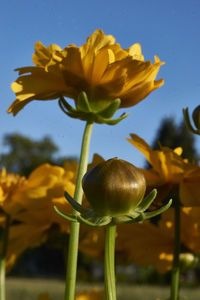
(169, 29)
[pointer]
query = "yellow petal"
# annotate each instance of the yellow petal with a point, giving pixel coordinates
(189, 188)
(178, 151)
(44, 56)
(139, 92)
(142, 146)
(136, 52)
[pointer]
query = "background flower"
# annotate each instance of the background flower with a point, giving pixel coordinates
(30, 205)
(133, 240)
(170, 172)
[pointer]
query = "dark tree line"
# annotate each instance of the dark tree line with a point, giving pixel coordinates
(23, 154)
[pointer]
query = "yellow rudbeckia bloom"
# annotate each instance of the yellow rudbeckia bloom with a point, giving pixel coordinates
(169, 170)
(100, 67)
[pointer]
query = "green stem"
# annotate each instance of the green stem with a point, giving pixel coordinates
(176, 265)
(110, 289)
(3, 259)
(75, 226)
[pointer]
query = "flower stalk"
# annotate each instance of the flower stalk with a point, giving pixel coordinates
(4, 240)
(115, 190)
(75, 226)
(110, 288)
(176, 263)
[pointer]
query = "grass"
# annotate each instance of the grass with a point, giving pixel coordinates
(29, 289)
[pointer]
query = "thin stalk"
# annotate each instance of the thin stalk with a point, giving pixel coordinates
(4, 241)
(176, 264)
(110, 288)
(75, 226)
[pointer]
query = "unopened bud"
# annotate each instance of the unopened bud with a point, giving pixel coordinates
(187, 261)
(114, 187)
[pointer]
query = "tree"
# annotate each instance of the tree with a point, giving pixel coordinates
(172, 136)
(25, 154)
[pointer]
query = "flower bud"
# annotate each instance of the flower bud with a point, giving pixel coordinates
(187, 261)
(114, 187)
(196, 117)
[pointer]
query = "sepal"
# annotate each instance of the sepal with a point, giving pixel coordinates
(109, 111)
(89, 217)
(85, 112)
(146, 202)
(80, 208)
(82, 103)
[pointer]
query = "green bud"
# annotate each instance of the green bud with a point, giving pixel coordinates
(196, 117)
(114, 187)
(187, 261)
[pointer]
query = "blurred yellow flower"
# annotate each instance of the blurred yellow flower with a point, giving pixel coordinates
(9, 184)
(145, 236)
(190, 228)
(169, 170)
(100, 67)
(21, 237)
(159, 239)
(30, 203)
(92, 241)
(44, 188)
(94, 294)
(44, 296)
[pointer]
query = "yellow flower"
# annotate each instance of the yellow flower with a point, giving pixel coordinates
(94, 294)
(159, 239)
(99, 67)
(23, 236)
(45, 188)
(169, 170)
(145, 236)
(190, 228)
(44, 296)
(30, 204)
(92, 241)
(10, 183)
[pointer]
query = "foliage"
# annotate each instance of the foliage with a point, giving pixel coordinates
(24, 154)
(172, 135)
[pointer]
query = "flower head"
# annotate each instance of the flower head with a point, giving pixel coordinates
(10, 183)
(100, 67)
(169, 170)
(159, 239)
(29, 203)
